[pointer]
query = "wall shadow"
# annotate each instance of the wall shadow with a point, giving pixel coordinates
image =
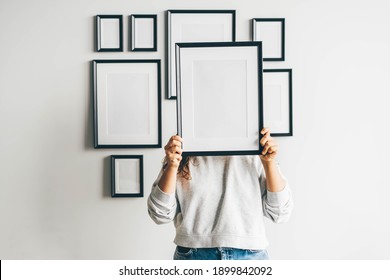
(106, 173)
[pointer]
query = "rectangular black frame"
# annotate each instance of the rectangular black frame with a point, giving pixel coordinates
(98, 33)
(290, 107)
(141, 165)
(94, 77)
(168, 32)
(282, 21)
(260, 96)
(132, 33)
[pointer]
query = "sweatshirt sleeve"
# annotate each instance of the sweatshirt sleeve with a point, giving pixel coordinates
(161, 206)
(277, 206)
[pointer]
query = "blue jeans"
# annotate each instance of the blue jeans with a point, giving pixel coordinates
(219, 253)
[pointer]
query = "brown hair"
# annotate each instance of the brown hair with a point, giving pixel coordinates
(184, 166)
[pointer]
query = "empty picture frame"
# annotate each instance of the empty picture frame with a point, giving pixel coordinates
(109, 33)
(219, 98)
(143, 33)
(195, 26)
(277, 99)
(127, 103)
(127, 176)
(271, 32)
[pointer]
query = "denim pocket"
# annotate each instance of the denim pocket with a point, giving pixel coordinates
(184, 250)
(182, 253)
(257, 254)
(253, 251)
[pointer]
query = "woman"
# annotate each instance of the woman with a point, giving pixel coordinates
(217, 203)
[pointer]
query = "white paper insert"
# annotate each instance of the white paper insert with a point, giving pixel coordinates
(127, 176)
(110, 33)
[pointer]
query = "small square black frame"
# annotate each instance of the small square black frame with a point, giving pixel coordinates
(290, 106)
(282, 21)
(141, 170)
(99, 48)
(132, 31)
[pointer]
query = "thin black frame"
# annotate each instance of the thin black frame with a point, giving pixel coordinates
(282, 21)
(141, 170)
(132, 32)
(168, 36)
(98, 33)
(290, 106)
(260, 95)
(95, 102)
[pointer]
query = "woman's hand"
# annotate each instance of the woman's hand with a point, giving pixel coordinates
(173, 151)
(270, 147)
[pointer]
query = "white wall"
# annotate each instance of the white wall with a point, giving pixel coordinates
(55, 187)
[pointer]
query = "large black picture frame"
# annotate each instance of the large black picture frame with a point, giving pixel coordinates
(99, 44)
(285, 84)
(170, 38)
(241, 65)
(116, 174)
(142, 78)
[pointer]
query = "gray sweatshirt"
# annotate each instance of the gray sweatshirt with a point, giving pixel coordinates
(222, 205)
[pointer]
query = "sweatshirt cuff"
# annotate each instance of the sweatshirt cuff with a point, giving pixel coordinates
(278, 198)
(165, 198)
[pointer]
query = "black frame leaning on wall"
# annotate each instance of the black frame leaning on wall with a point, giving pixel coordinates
(133, 18)
(290, 96)
(282, 47)
(95, 64)
(99, 48)
(169, 13)
(141, 176)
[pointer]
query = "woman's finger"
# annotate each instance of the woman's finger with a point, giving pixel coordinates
(174, 150)
(175, 157)
(174, 140)
(270, 147)
(264, 130)
(174, 143)
(265, 149)
(176, 137)
(265, 138)
(273, 149)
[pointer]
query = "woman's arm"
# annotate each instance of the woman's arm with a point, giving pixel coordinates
(162, 205)
(173, 153)
(275, 182)
(277, 198)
